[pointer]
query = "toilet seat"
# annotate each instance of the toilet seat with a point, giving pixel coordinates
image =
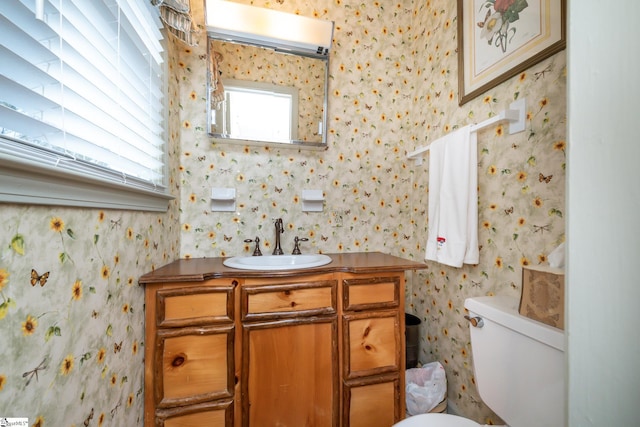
(436, 420)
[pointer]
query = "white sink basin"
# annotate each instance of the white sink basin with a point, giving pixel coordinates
(277, 262)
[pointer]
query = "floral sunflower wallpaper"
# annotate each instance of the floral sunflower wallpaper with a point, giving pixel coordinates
(70, 307)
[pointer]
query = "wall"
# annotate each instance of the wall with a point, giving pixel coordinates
(363, 173)
(393, 87)
(71, 311)
(521, 197)
(603, 198)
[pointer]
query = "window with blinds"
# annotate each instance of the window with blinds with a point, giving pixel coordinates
(82, 112)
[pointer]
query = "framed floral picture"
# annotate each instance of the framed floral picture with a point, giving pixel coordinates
(498, 39)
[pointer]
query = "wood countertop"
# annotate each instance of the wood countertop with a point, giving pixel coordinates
(201, 269)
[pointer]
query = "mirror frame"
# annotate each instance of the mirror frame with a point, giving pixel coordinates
(297, 144)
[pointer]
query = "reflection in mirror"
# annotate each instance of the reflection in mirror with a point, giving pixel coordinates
(260, 95)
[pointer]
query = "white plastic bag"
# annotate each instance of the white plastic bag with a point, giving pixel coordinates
(425, 388)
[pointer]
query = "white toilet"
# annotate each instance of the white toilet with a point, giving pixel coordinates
(518, 365)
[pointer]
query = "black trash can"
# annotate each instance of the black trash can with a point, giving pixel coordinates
(412, 335)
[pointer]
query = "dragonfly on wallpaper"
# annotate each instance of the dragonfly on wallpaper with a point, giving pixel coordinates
(34, 372)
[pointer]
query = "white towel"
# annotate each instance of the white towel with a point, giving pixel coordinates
(453, 199)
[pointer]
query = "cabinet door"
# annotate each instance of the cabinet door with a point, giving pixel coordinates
(372, 402)
(372, 343)
(194, 365)
(290, 373)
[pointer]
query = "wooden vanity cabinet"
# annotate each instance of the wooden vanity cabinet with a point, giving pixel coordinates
(321, 349)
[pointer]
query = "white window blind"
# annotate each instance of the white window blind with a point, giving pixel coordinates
(82, 96)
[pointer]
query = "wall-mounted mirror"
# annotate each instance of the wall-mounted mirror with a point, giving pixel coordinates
(260, 95)
(268, 75)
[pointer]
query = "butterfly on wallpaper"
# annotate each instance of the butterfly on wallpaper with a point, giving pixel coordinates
(280, 1)
(278, 190)
(36, 278)
(94, 314)
(405, 236)
(545, 179)
(509, 211)
(117, 347)
(202, 158)
(34, 372)
(324, 238)
(437, 289)
(367, 194)
(228, 238)
(116, 224)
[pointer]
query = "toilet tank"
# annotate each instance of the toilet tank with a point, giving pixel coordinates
(518, 364)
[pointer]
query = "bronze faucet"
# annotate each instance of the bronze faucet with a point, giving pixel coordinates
(279, 230)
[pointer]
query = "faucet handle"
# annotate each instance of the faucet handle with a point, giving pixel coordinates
(256, 251)
(296, 248)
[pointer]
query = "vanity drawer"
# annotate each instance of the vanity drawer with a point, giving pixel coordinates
(210, 414)
(198, 305)
(371, 293)
(289, 299)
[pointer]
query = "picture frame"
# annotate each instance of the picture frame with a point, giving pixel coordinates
(498, 39)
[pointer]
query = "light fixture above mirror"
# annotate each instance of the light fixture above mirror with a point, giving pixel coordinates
(283, 31)
(268, 76)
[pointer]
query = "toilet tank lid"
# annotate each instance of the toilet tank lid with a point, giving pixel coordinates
(503, 309)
